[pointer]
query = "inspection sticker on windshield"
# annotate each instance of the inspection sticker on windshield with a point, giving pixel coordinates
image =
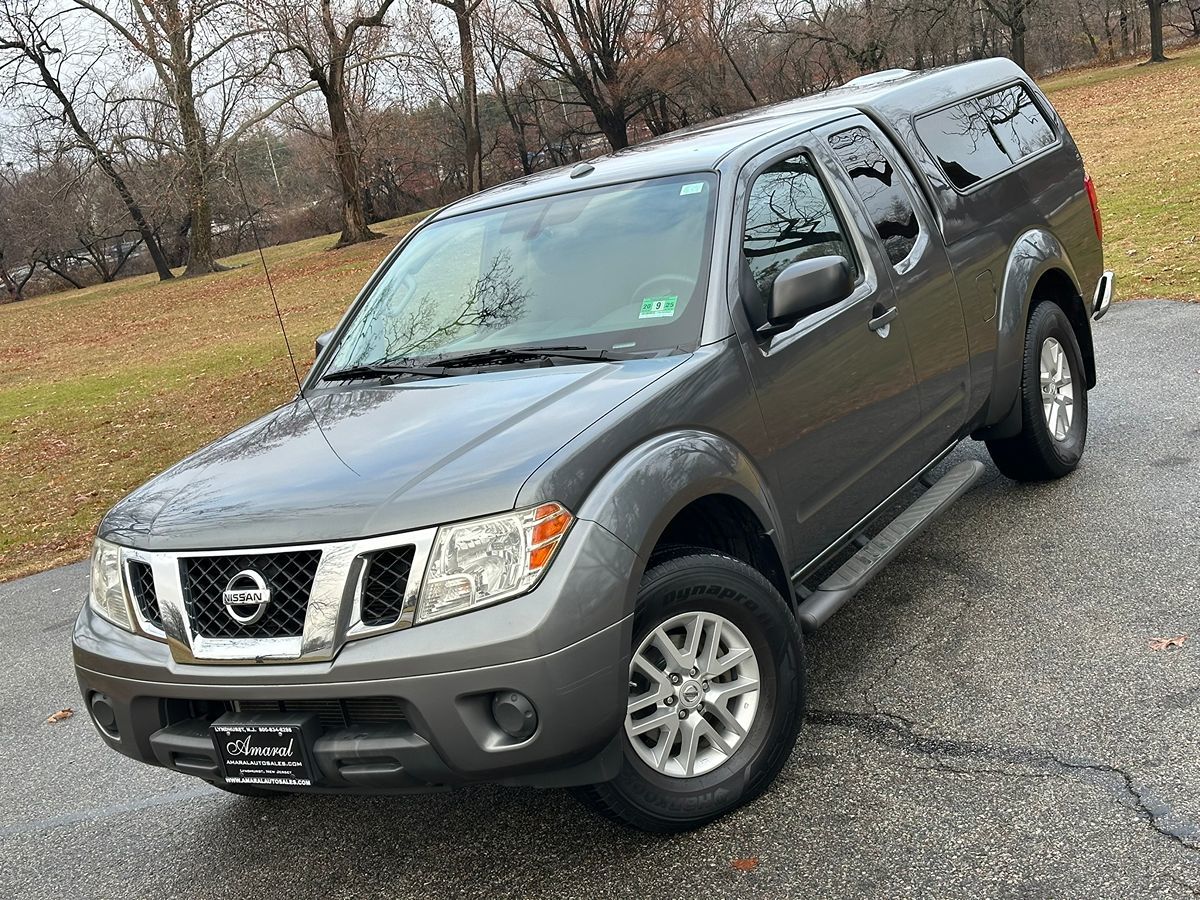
(694, 188)
(658, 307)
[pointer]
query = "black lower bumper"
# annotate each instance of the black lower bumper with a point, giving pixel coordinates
(375, 758)
(413, 733)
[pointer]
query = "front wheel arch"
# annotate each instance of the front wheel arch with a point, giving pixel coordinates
(652, 489)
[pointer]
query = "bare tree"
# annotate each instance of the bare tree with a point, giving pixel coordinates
(1013, 15)
(1157, 54)
(193, 47)
(599, 47)
(37, 42)
(13, 242)
(326, 47)
(1192, 29)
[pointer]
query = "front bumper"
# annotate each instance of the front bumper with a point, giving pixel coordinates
(433, 683)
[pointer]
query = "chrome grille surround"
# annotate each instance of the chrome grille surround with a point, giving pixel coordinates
(336, 587)
(139, 584)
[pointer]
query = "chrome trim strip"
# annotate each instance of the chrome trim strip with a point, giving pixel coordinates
(143, 625)
(333, 616)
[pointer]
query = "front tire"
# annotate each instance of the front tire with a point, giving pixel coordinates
(1054, 412)
(716, 695)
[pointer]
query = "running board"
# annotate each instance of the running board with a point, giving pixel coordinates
(855, 572)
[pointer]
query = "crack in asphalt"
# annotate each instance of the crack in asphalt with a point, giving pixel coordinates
(903, 734)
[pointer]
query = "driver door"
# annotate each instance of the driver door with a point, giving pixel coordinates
(837, 390)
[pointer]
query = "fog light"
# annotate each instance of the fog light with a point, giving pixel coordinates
(104, 715)
(515, 714)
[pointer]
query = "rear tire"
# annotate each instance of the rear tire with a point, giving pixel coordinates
(734, 739)
(1054, 412)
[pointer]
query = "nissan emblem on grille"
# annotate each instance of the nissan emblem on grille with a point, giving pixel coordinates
(246, 597)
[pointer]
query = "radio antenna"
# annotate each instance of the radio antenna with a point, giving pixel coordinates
(237, 171)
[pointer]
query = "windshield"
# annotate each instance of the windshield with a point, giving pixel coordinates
(622, 267)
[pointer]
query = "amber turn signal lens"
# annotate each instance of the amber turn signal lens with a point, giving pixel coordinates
(551, 528)
(551, 524)
(540, 556)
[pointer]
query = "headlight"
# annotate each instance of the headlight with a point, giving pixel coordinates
(106, 593)
(488, 560)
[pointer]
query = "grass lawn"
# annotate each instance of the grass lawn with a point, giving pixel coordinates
(103, 387)
(1138, 127)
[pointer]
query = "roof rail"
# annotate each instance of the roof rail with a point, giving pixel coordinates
(878, 77)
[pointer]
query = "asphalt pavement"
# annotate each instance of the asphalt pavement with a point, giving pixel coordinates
(988, 719)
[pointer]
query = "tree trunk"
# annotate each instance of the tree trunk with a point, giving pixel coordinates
(1017, 34)
(10, 287)
(474, 143)
(196, 161)
(61, 273)
(737, 70)
(613, 126)
(354, 217)
(1087, 31)
(1156, 31)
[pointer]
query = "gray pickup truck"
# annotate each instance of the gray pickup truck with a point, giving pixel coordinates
(593, 449)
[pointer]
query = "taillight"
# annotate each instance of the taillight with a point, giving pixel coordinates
(1091, 192)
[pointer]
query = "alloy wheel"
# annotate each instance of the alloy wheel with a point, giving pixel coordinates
(693, 694)
(1058, 390)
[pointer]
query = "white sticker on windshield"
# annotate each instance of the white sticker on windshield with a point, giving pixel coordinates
(694, 188)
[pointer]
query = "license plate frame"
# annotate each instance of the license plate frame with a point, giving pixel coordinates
(265, 750)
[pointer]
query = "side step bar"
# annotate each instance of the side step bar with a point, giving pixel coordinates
(855, 572)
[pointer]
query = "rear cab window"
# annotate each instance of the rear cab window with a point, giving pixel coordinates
(881, 189)
(981, 137)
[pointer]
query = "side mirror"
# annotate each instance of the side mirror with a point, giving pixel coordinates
(805, 287)
(323, 340)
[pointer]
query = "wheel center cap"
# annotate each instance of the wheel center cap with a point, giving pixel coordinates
(690, 694)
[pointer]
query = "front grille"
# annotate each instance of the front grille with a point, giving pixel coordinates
(288, 575)
(384, 584)
(355, 711)
(141, 583)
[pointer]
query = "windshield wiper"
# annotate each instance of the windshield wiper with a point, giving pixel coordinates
(495, 356)
(381, 370)
(520, 354)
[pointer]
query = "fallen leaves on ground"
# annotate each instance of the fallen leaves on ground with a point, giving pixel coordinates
(60, 715)
(745, 863)
(1167, 643)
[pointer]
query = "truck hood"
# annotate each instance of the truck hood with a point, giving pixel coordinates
(366, 461)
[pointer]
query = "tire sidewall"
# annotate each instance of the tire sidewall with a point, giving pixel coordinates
(732, 590)
(1049, 321)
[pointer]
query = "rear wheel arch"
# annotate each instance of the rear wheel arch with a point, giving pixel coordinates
(1038, 270)
(1055, 286)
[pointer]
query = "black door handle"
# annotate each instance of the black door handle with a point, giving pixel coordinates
(882, 320)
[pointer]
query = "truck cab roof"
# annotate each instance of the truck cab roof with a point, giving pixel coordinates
(889, 98)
